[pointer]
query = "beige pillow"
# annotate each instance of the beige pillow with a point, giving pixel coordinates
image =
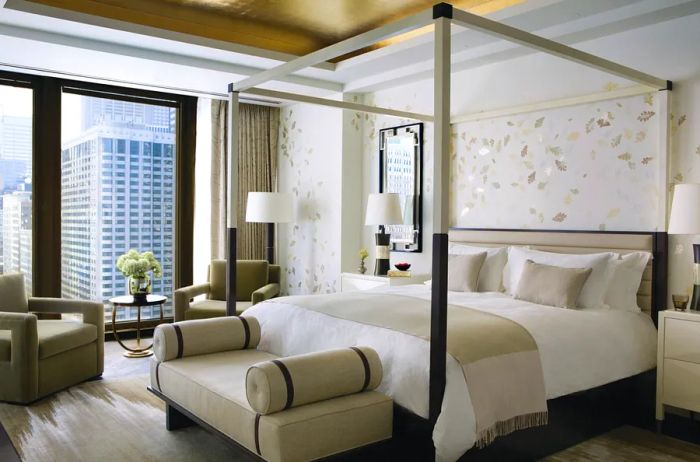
(551, 285)
(463, 272)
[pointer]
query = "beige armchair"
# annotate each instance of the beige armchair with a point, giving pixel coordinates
(256, 280)
(40, 357)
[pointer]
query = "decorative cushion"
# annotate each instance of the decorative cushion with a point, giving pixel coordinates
(551, 285)
(625, 281)
(280, 384)
(491, 273)
(213, 388)
(13, 297)
(463, 272)
(203, 336)
(593, 293)
(56, 337)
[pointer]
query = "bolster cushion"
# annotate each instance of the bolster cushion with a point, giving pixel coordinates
(279, 384)
(204, 336)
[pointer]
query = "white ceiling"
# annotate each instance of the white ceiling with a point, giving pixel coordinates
(52, 40)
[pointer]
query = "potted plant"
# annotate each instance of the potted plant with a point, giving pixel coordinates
(363, 255)
(136, 266)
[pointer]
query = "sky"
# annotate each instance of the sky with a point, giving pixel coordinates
(15, 101)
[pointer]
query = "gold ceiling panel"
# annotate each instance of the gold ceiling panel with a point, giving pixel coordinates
(289, 26)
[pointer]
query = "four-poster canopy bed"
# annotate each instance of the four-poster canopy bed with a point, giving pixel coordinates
(442, 16)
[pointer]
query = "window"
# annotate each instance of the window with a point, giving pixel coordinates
(16, 111)
(89, 218)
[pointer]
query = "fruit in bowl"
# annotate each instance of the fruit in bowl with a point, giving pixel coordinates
(403, 266)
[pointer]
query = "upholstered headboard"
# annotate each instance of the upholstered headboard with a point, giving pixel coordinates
(652, 291)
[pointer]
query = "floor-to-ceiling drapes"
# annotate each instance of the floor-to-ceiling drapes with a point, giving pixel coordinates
(257, 171)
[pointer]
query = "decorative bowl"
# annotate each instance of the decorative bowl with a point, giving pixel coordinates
(680, 302)
(402, 266)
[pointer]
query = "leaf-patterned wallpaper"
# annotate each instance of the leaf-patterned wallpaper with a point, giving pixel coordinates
(309, 168)
(591, 166)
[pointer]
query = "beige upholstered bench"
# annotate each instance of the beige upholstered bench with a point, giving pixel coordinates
(281, 409)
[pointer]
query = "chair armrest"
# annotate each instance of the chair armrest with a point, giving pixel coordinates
(266, 292)
(182, 297)
(25, 342)
(93, 312)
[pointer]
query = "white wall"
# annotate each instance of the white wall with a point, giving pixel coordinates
(668, 50)
(310, 163)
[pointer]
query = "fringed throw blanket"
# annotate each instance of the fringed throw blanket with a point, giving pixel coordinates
(499, 357)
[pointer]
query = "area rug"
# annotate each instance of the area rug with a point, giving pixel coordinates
(107, 420)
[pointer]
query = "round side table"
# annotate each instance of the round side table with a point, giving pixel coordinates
(138, 302)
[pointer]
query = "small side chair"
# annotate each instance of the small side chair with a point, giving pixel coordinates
(256, 281)
(40, 357)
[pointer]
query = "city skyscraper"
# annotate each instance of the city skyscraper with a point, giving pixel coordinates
(117, 194)
(15, 194)
(17, 234)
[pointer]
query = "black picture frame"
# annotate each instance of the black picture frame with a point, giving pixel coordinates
(416, 129)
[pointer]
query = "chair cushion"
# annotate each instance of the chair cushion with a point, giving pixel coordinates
(56, 337)
(217, 280)
(251, 275)
(212, 387)
(204, 309)
(13, 297)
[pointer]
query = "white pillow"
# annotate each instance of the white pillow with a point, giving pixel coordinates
(625, 279)
(491, 274)
(593, 293)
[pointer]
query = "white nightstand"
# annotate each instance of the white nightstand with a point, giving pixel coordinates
(355, 281)
(678, 362)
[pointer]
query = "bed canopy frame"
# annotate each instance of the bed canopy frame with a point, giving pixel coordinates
(442, 16)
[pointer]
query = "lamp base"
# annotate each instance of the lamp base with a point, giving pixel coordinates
(381, 263)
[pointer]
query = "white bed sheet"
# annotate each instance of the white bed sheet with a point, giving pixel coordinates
(580, 349)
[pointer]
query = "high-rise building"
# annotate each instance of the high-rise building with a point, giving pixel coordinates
(17, 234)
(15, 173)
(117, 194)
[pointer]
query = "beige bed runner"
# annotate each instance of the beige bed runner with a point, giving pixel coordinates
(499, 357)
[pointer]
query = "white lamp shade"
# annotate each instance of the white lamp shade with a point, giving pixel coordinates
(685, 210)
(269, 207)
(383, 209)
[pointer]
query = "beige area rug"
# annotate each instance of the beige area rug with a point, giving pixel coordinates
(107, 420)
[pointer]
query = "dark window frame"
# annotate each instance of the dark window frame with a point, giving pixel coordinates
(46, 171)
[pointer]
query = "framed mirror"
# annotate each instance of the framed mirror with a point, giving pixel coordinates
(401, 172)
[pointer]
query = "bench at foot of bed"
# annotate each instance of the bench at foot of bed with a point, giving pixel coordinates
(284, 409)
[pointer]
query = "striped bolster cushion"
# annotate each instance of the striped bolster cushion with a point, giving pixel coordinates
(204, 336)
(276, 385)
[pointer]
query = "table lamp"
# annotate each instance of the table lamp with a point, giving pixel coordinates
(383, 209)
(685, 219)
(270, 208)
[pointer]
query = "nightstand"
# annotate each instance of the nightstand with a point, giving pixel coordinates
(678, 362)
(355, 281)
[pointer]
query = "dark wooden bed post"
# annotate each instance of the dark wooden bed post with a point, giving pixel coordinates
(442, 14)
(232, 204)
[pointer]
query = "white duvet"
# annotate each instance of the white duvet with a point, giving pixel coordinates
(580, 349)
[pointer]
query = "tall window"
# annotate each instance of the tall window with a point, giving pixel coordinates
(16, 181)
(117, 193)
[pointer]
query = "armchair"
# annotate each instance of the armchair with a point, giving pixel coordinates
(40, 357)
(256, 281)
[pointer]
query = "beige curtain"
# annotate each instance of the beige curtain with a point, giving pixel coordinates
(257, 171)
